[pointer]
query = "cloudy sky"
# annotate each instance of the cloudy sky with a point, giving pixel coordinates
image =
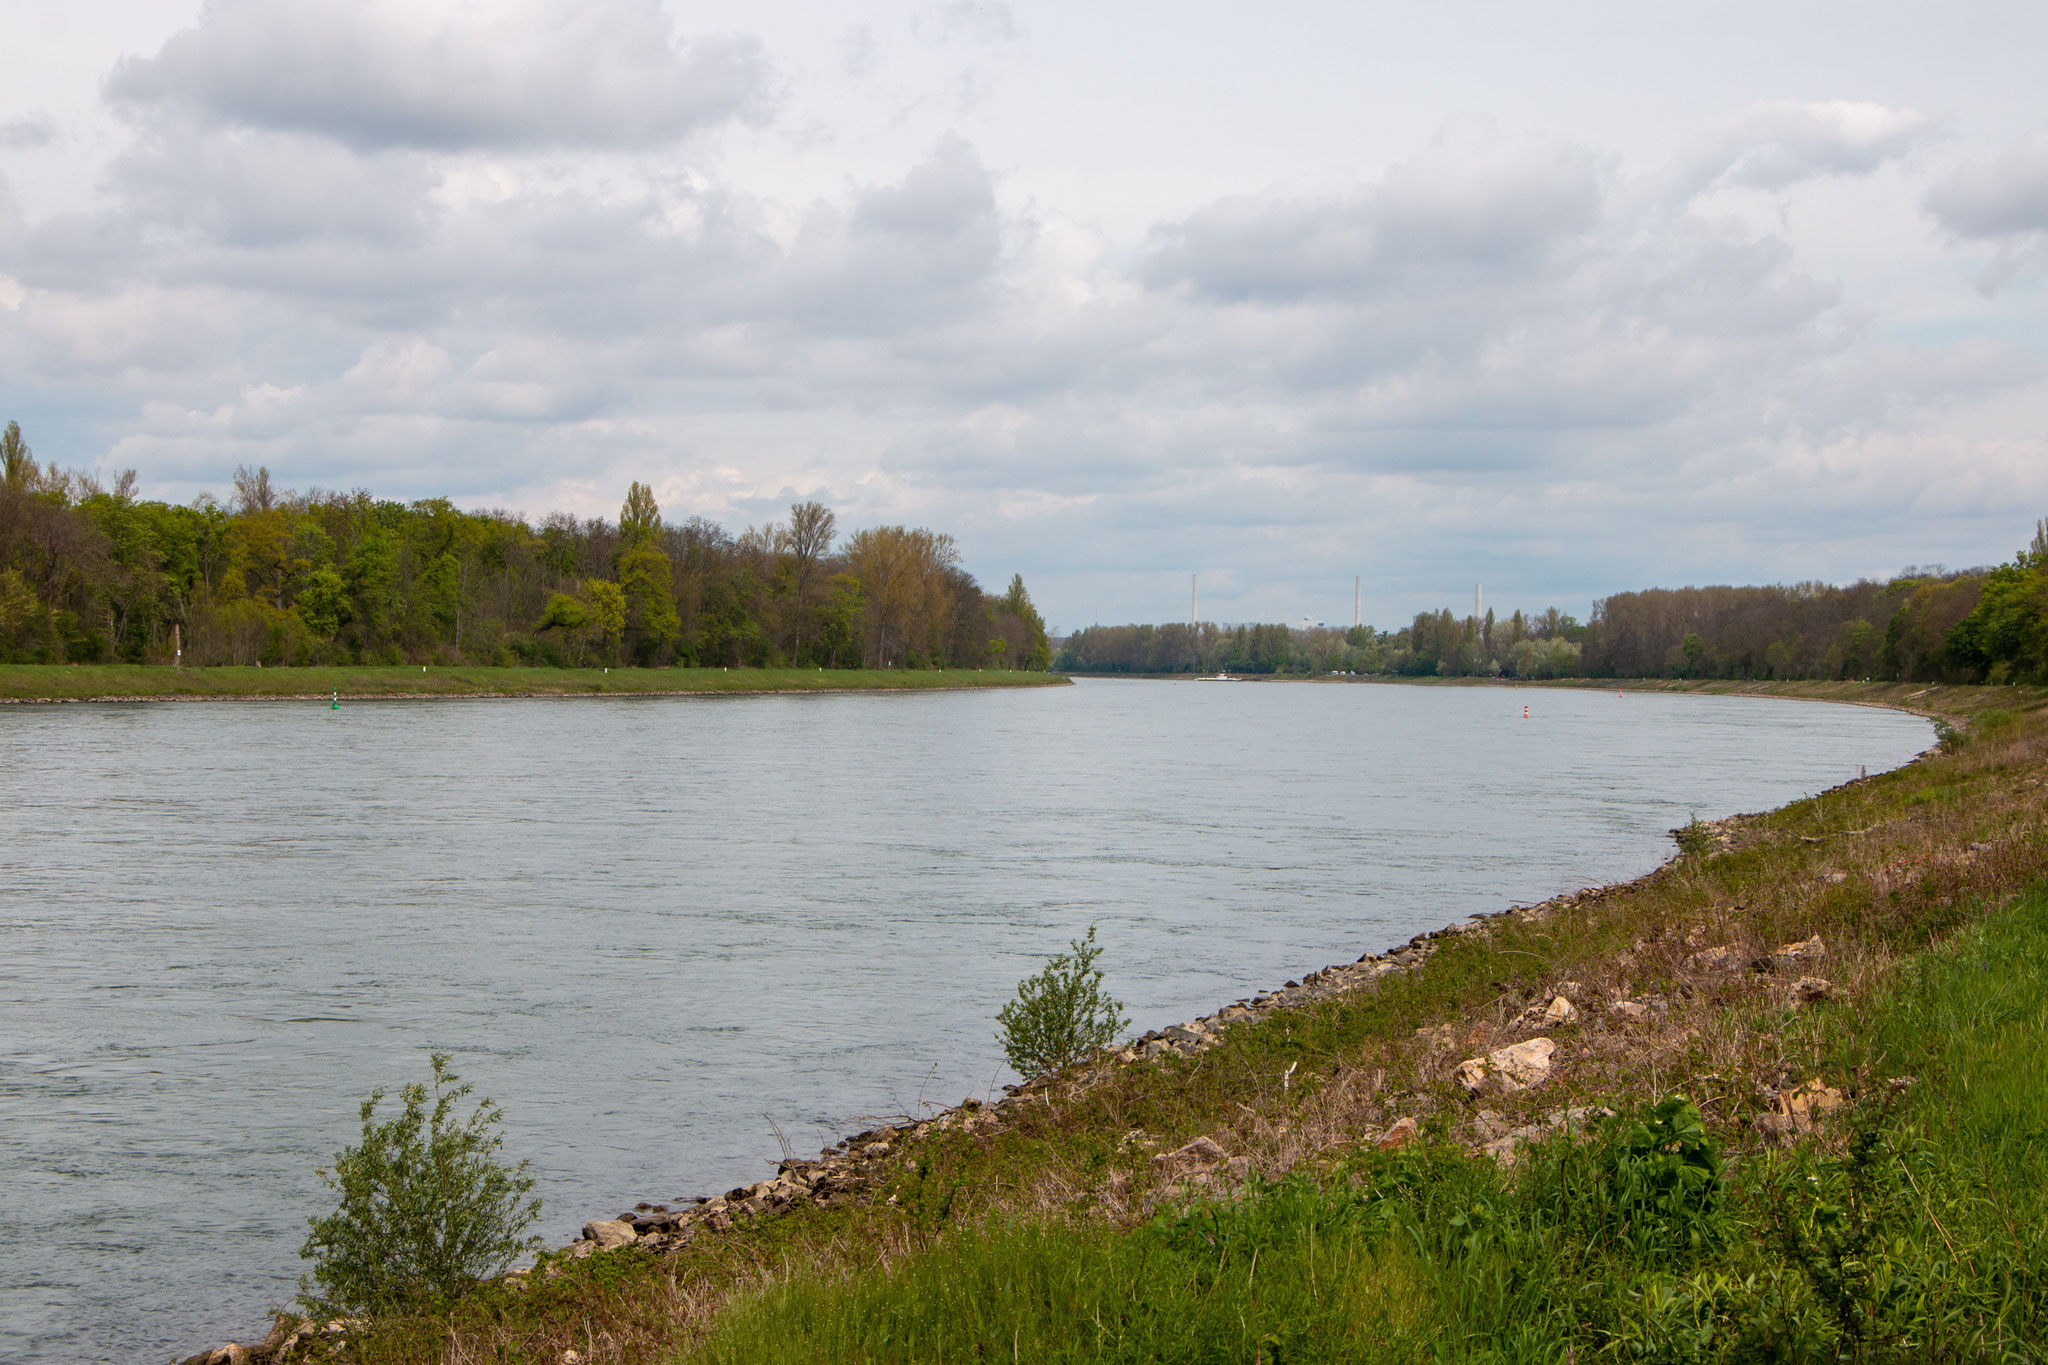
(1564, 298)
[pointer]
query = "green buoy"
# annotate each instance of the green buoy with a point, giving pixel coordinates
(337, 699)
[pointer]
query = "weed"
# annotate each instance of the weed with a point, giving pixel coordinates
(1664, 1175)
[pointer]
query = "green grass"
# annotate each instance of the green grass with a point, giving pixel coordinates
(1920, 1233)
(86, 682)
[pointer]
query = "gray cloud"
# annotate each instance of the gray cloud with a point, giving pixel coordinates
(2004, 202)
(2005, 197)
(27, 132)
(981, 21)
(859, 52)
(379, 74)
(256, 188)
(1474, 202)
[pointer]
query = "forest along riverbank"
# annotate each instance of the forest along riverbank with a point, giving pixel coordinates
(1733, 975)
(29, 683)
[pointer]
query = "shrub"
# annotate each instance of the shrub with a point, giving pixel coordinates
(426, 1207)
(1061, 1015)
(1693, 838)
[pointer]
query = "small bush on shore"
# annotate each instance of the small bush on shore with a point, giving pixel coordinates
(426, 1210)
(1693, 838)
(1062, 1014)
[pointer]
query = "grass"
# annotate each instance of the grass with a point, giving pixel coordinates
(1916, 1230)
(1039, 1229)
(137, 682)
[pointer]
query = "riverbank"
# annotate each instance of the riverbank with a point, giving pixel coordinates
(29, 683)
(1926, 698)
(1760, 973)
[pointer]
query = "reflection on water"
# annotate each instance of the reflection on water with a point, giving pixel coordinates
(651, 926)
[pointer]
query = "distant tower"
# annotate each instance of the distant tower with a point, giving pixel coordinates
(1478, 602)
(1194, 602)
(1357, 601)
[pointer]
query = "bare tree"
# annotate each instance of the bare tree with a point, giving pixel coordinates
(253, 492)
(807, 540)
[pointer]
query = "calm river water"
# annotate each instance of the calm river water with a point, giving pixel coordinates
(652, 927)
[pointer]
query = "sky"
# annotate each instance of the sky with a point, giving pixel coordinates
(1564, 299)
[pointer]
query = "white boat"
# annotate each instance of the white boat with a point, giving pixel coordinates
(1218, 677)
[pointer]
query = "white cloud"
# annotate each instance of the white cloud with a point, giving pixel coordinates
(1776, 144)
(426, 250)
(443, 75)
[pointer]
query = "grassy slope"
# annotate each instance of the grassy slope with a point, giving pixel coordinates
(1049, 1205)
(60, 682)
(1916, 1230)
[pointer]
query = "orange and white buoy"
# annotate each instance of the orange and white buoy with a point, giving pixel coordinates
(1525, 713)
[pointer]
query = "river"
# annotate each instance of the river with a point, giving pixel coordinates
(657, 930)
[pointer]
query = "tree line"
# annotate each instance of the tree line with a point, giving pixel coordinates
(89, 572)
(1926, 625)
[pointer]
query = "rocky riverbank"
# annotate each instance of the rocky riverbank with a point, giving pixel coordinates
(857, 1165)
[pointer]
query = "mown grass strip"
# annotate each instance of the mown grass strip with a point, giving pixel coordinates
(124, 682)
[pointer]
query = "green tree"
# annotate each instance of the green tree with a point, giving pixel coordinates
(1035, 650)
(1061, 1015)
(729, 621)
(372, 572)
(17, 463)
(640, 517)
(648, 587)
(426, 1207)
(839, 623)
(1695, 650)
(24, 624)
(2006, 634)
(570, 616)
(563, 613)
(607, 611)
(323, 602)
